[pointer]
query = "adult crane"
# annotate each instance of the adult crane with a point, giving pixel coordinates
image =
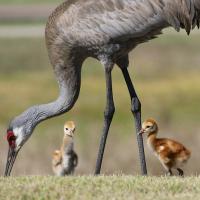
(106, 30)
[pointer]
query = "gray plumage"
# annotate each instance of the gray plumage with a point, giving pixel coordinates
(70, 162)
(65, 161)
(106, 30)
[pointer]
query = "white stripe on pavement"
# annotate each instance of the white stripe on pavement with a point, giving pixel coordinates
(16, 31)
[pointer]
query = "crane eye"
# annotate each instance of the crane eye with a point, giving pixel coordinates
(11, 138)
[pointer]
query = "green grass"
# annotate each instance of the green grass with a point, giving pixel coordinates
(100, 188)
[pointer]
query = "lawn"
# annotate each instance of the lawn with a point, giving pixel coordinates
(100, 188)
(166, 75)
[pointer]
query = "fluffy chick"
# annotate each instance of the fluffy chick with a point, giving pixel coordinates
(65, 160)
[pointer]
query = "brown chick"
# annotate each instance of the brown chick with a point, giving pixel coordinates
(172, 154)
(65, 160)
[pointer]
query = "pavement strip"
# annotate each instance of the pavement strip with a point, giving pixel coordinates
(17, 31)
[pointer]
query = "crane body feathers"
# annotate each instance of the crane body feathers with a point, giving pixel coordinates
(89, 23)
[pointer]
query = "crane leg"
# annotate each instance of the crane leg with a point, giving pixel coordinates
(108, 115)
(136, 110)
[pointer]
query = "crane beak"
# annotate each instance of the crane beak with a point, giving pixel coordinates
(70, 134)
(12, 154)
(141, 131)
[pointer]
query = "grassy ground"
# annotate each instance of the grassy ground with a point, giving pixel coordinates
(100, 188)
(166, 75)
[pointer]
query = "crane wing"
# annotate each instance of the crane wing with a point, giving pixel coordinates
(99, 22)
(129, 19)
(108, 20)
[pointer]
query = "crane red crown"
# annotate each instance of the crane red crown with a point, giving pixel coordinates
(11, 138)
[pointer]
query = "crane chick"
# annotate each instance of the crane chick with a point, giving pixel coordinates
(65, 160)
(172, 154)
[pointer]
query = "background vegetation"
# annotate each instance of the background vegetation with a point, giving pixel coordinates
(165, 73)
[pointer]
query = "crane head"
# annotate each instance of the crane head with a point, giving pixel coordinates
(149, 126)
(17, 134)
(69, 128)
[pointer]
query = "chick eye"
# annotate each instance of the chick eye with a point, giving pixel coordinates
(66, 129)
(148, 126)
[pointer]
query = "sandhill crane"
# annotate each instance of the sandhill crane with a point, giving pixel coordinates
(171, 154)
(65, 160)
(106, 30)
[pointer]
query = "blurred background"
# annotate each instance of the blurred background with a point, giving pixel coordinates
(166, 73)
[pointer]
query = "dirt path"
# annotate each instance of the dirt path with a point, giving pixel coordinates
(15, 13)
(22, 31)
(25, 12)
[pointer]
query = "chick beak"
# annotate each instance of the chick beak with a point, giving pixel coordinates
(12, 154)
(70, 134)
(141, 131)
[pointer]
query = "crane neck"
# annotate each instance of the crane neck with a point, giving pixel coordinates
(67, 144)
(69, 91)
(151, 140)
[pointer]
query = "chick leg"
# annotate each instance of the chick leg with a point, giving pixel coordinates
(169, 172)
(180, 172)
